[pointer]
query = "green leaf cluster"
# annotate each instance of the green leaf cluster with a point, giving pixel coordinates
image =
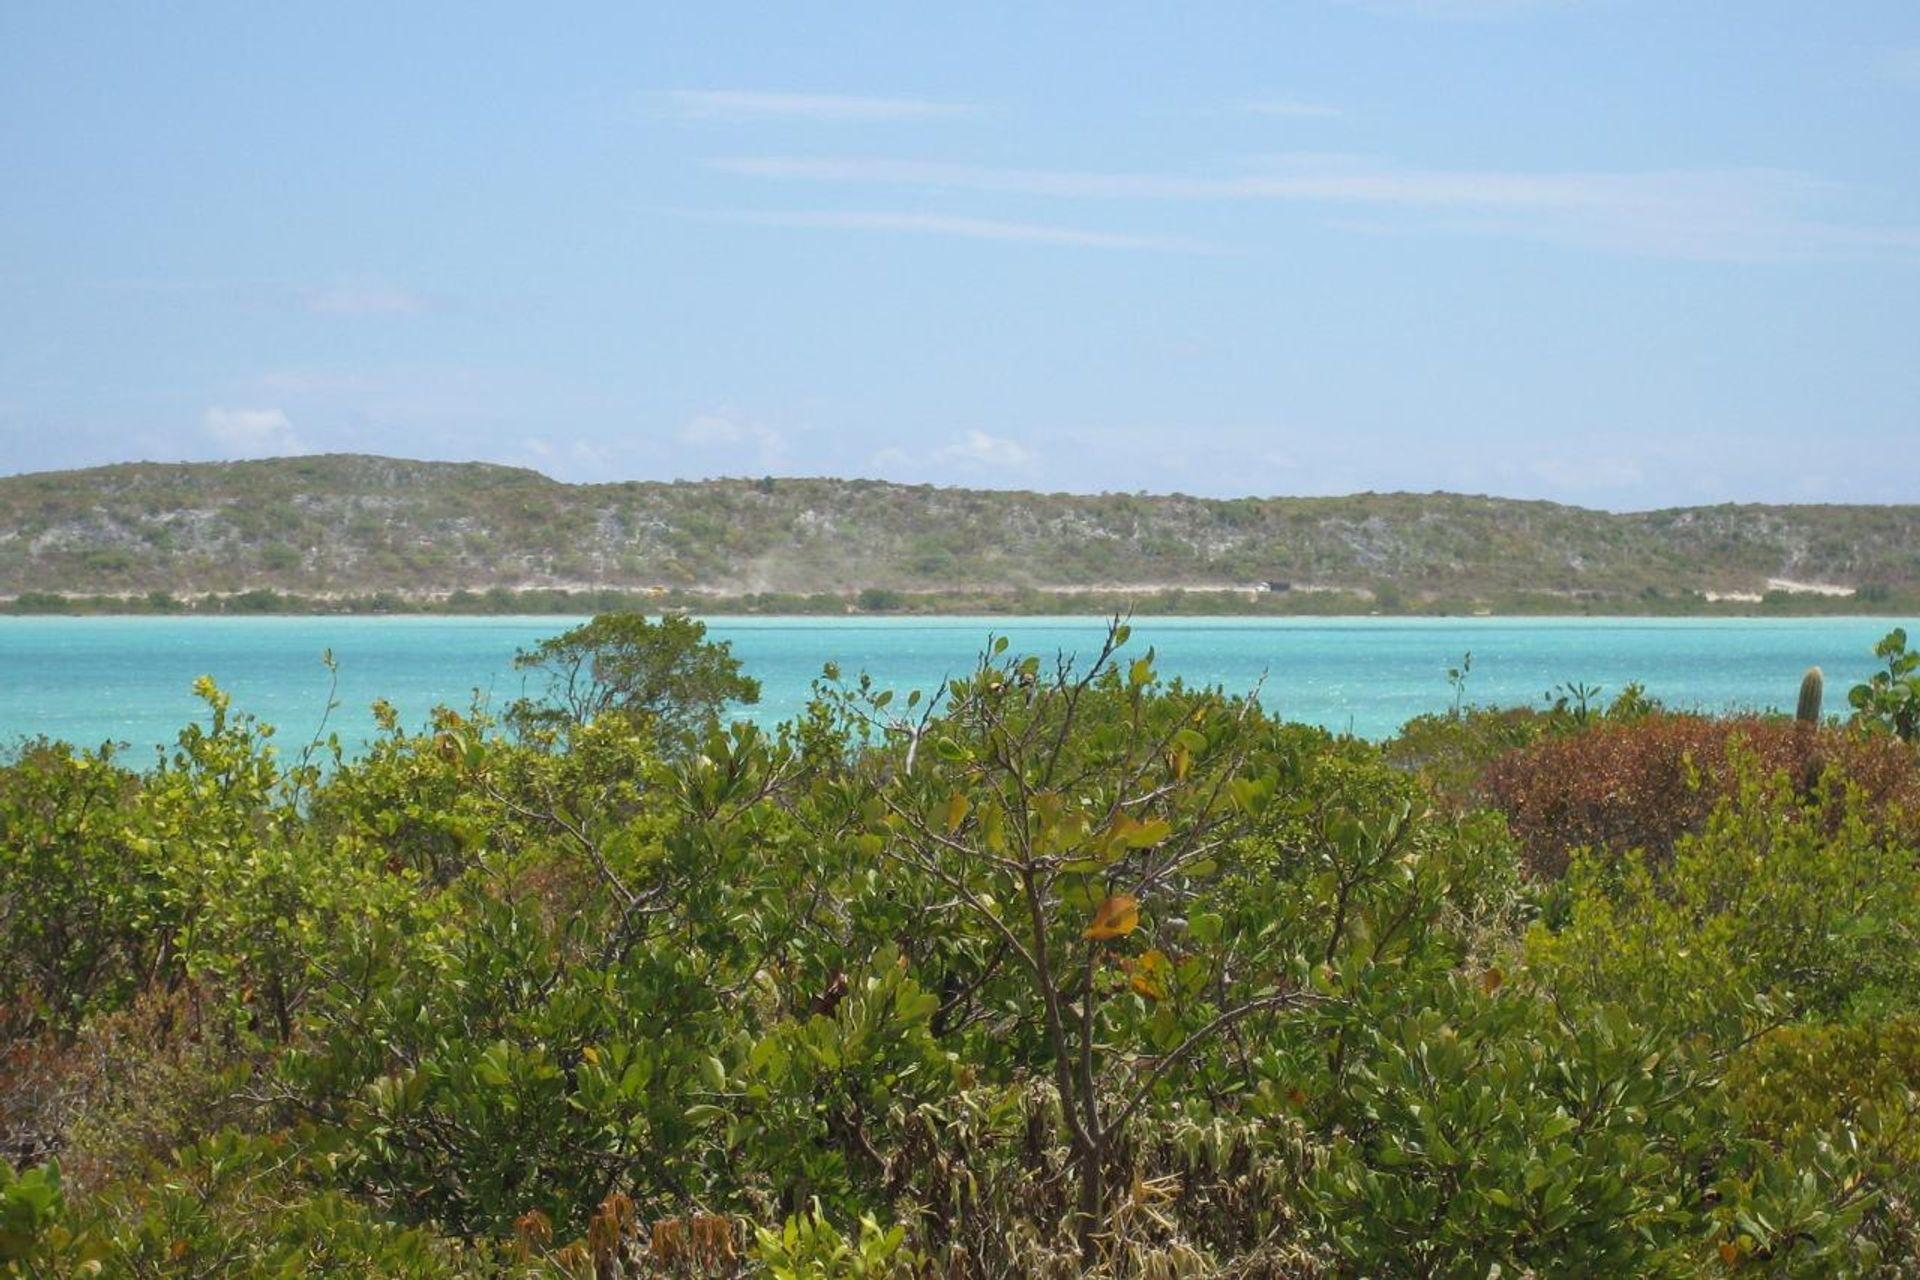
(1062, 968)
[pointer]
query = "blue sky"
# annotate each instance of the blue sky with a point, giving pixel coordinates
(1624, 253)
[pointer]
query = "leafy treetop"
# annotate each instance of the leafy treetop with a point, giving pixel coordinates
(666, 675)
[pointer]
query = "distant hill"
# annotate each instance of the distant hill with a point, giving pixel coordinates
(340, 526)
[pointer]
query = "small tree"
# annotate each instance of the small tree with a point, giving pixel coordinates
(1076, 818)
(666, 675)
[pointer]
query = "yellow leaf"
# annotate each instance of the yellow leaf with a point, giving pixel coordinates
(1490, 980)
(1115, 917)
(591, 1054)
(1130, 833)
(957, 806)
(1150, 974)
(1179, 760)
(993, 828)
(1057, 829)
(1730, 1253)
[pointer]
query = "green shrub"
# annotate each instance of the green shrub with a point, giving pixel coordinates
(665, 676)
(31, 1208)
(1890, 699)
(1482, 1130)
(1783, 907)
(84, 905)
(231, 1206)
(1453, 750)
(1062, 971)
(809, 1247)
(880, 600)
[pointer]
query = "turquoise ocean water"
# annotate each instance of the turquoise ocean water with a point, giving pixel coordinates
(130, 679)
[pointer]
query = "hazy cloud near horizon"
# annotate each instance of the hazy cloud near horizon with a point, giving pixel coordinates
(1612, 252)
(252, 433)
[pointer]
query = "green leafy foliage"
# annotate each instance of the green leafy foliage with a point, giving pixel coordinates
(1062, 969)
(82, 900)
(1784, 907)
(810, 1247)
(664, 675)
(232, 1206)
(31, 1205)
(1890, 699)
(1484, 1129)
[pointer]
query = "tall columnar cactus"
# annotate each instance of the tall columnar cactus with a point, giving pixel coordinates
(1811, 686)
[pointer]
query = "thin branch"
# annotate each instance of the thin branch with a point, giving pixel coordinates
(1166, 1063)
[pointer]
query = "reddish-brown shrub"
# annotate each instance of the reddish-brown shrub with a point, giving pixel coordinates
(130, 1087)
(32, 1085)
(1643, 784)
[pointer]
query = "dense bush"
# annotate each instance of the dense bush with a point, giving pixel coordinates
(81, 899)
(1059, 971)
(1452, 751)
(1644, 783)
(1784, 907)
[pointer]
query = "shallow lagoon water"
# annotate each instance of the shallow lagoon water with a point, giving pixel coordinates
(130, 679)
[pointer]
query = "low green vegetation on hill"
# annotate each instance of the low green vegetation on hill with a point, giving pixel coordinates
(371, 534)
(1061, 972)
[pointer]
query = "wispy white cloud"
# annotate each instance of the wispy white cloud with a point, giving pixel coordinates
(738, 104)
(980, 451)
(889, 461)
(1330, 178)
(1707, 214)
(1291, 109)
(252, 433)
(972, 229)
(740, 438)
(945, 176)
